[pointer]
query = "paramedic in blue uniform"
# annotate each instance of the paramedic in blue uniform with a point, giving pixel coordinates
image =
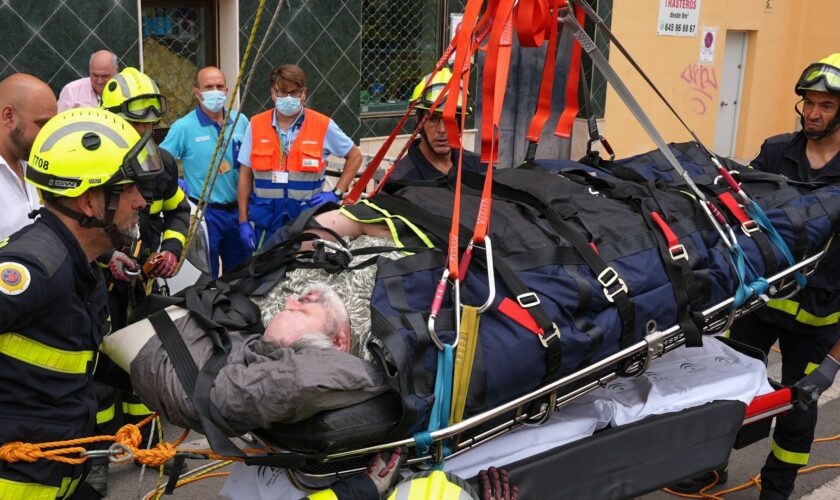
(430, 156)
(806, 325)
(53, 304)
(192, 139)
(283, 159)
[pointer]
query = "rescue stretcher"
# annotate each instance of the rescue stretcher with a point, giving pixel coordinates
(605, 465)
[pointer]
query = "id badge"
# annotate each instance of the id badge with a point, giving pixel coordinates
(280, 177)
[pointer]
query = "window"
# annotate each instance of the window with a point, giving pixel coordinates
(401, 41)
(179, 37)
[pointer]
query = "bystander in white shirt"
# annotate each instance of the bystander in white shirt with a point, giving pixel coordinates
(17, 199)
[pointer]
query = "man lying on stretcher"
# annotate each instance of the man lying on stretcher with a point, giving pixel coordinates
(278, 376)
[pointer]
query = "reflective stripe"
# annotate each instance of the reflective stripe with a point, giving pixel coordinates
(156, 207)
(173, 202)
(123, 85)
(802, 316)
(43, 356)
(68, 487)
(387, 220)
(301, 185)
(71, 128)
(174, 234)
(13, 490)
(810, 367)
(105, 415)
(136, 409)
(323, 495)
(789, 457)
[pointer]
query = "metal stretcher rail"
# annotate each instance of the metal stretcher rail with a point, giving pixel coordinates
(629, 362)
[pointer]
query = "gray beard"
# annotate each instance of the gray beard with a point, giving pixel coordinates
(132, 232)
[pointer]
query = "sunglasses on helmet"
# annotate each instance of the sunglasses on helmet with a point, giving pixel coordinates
(142, 162)
(142, 107)
(813, 74)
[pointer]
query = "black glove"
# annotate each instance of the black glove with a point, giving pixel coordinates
(815, 383)
(495, 485)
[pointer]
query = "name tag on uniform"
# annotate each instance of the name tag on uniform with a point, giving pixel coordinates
(202, 138)
(280, 177)
(311, 162)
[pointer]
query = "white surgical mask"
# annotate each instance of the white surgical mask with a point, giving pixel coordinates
(288, 106)
(213, 100)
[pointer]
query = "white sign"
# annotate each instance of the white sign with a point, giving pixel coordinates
(707, 45)
(678, 17)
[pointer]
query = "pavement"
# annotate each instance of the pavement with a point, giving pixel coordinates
(126, 482)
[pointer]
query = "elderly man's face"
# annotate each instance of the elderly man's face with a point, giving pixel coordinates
(302, 315)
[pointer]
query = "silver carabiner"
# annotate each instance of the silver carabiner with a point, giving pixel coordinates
(491, 272)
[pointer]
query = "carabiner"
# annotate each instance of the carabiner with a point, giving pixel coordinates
(491, 271)
(437, 302)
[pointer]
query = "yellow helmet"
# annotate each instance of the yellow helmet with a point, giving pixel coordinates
(822, 76)
(134, 96)
(425, 98)
(433, 485)
(83, 148)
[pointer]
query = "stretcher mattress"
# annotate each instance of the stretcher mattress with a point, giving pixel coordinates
(682, 379)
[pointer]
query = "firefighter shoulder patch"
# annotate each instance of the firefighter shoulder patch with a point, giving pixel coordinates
(14, 278)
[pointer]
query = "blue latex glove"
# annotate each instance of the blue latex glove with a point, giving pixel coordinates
(324, 197)
(247, 235)
(184, 187)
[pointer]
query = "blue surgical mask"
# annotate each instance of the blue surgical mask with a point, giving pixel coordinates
(213, 100)
(288, 106)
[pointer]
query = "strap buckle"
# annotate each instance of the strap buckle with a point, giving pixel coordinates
(608, 278)
(678, 252)
(554, 335)
(750, 226)
(527, 300)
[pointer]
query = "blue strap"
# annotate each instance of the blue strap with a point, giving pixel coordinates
(746, 273)
(758, 215)
(439, 416)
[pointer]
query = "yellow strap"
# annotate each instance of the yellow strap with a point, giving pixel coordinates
(789, 457)
(794, 309)
(136, 409)
(43, 356)
(105, 415)
(13, 490)
(464, 357)
(323, 495)
(176, 235)
(173, 202)
(387, 216)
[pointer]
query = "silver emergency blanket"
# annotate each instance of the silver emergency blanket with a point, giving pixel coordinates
(679, 380)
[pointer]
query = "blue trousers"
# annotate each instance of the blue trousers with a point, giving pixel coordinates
(223, 238)
(270, 214)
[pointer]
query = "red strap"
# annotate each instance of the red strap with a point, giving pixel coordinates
(769, 402)
(666, 230)
(567, 118)
(461, 70)
(733, 207)
(494, 78)
(519, 314)
(544, 101)
(532, 18)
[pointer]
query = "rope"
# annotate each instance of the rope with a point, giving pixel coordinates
(197, 474)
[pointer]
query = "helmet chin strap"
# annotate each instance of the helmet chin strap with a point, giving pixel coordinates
(112, 201)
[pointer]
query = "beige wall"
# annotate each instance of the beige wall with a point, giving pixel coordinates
(782, 40)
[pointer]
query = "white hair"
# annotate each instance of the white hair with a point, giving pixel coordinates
(312, 340)
(337, 318)
(114, 61)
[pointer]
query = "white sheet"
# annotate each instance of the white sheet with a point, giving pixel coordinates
(681, 379)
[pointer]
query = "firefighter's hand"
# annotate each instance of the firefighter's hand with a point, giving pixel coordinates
(495, 485)
(384, 469)
(123, 267)
(161, 265)
(815, 383)
(247, 235)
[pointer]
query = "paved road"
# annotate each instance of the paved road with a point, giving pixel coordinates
(125, 481)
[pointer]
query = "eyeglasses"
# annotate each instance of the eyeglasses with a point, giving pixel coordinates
(285, 93)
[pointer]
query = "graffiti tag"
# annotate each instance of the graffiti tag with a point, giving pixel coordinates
(702, 85)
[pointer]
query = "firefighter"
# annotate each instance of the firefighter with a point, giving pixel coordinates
(85, 163)
(430, 156)
(805, 325)
(283, 159)
(164, 223)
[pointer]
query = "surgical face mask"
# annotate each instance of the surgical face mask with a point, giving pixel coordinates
(213, 100)
(288, 106)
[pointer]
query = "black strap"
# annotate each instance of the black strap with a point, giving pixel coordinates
(179, 355)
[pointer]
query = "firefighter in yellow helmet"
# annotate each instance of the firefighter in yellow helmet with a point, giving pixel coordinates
(430, 156)
(53, 307)
(805, 325)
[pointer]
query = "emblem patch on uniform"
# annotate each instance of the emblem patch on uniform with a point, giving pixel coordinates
(14, 278)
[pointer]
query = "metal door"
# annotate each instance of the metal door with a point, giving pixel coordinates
(734, 59)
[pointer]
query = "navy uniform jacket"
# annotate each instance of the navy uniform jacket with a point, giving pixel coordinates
(53, 315)
(817, 307)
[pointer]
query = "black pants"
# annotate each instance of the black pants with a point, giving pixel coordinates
(794, 431)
